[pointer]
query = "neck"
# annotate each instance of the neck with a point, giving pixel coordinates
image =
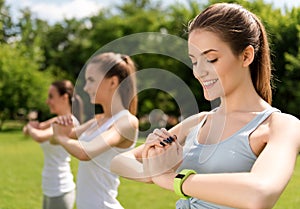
(65, 111)
(110, 109)
(243, 100)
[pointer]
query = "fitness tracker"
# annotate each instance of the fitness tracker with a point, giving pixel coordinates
(178, 181)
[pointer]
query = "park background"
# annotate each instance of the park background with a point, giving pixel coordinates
(35, 52)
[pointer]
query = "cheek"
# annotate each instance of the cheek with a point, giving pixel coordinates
(50, 101)
(229, 78)
(54, 104)
(99, 91)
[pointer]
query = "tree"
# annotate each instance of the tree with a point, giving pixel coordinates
(22, 86)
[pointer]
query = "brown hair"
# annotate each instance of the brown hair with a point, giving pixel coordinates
(75, 101)
(240, 28)
(123, 67)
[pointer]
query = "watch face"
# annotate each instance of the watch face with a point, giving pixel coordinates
(180, 176)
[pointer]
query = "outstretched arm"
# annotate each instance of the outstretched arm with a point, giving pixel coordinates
(130, 164)
(120, 133)
(38, 134)
(47, 124)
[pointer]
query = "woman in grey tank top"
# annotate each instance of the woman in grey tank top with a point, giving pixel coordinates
(239, 155)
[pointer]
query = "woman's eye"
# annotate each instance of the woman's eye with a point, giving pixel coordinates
(213, 60)
(90, 80)
(194, 63)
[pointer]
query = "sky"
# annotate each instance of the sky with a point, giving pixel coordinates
(57, 10)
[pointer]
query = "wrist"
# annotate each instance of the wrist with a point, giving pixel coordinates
(28, 129)
(165, 180)
(61, 139)
(25, 131)
(57, 139)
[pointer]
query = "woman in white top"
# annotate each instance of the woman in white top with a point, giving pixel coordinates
(110, 82)
(244, 151)
(57, 182)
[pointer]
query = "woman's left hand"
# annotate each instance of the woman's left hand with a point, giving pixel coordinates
(162, 154)
(59, 133)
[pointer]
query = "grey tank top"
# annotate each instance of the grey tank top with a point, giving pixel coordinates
(233, 154)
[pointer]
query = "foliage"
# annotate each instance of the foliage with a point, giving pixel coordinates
(22, 86)
(62, 49)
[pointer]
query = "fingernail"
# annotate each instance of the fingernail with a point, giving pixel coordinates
(167, 141)
(162, 144)
(170, 139)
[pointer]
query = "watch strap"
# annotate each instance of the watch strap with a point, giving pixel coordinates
(178, 181)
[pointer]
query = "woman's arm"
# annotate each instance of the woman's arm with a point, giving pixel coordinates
(78, 130)
(121, 131)
(37, 134)
(261, 187)
(47, 124)
(130, 164)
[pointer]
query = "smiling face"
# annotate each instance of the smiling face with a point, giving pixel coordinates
(214, 65)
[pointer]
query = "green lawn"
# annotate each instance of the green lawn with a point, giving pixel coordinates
(20, 180)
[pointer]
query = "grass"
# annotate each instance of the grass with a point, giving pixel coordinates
(20, 180)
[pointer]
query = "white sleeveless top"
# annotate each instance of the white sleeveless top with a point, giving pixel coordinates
(233, 154)
(97, 187)
(57, 177)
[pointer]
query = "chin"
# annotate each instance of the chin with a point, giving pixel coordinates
(92, 100)
(52, 112)
(210, 97)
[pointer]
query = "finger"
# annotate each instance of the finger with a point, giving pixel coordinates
(66, 120)
(154, 140)
(147, 145)
(69, 120)
(165, 132)
(170, 138)
(59, 120)
(179, 147)
(158, 132)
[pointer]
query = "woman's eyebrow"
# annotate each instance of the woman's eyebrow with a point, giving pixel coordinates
(205, 52)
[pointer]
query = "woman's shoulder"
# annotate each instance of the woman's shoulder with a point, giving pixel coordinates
(284, 118)
(133, 120)
(284, 123)
(186, 125)
(127, 120)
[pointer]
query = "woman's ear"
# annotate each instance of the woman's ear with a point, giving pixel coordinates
(248, 55)
(114, 81)
(66, 97)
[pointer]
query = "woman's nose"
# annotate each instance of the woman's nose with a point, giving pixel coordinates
(200, 71)
(85, 88)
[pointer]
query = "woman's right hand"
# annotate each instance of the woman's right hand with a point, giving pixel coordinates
(64, 120)
(60, 132)
(62, 127)
(34, 124)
